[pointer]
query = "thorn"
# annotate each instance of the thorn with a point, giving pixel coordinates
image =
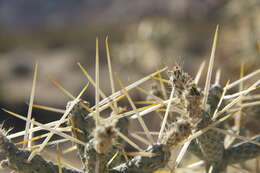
(112, 83)
(165, 117)
(48, 108)
(198, 75)
(210, 69)
(59, 86)
(97, 96)
(29, 114)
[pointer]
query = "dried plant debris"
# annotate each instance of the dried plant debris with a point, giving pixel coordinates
(180, 79)
(188, 92)
(177, 133)
(104, 136)
(100, 133)
(17, 160)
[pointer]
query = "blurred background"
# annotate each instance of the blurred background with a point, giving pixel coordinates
(144, 36)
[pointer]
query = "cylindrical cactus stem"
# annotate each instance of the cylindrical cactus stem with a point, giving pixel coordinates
(215, 93)
(242, 151)
(82, 127)
(145, 164)
(195, 149)
(210, 143)
(82, 124)
(16, 160)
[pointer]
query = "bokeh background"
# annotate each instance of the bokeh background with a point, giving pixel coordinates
(144, 36)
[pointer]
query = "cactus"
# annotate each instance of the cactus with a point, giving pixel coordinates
(102, 140)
